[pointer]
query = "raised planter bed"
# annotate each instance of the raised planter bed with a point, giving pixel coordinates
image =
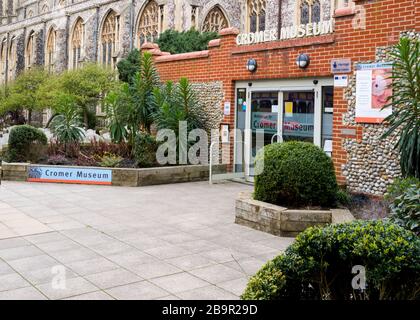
(106, 176)
(281, 221)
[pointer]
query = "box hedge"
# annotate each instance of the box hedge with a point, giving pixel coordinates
(295, 174)
(319, 265)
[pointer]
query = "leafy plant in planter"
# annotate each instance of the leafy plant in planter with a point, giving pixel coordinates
(110, 160)
(175, 103)
(141, 91)
(130, 107)
(405, 100)
(145, 148)
(404, 198)
(319, 265)
(66, 126)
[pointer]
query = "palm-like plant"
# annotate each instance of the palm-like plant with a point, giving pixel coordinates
(142, 92)
(405, 101)
(117, 109)
(66, 125)
(175, 104)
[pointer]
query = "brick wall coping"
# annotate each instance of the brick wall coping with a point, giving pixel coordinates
(183, 56)
(229, 32)
(283, 44)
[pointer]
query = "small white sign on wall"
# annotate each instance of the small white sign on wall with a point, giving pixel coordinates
(341, 81)
(227, 108)
(225, 133)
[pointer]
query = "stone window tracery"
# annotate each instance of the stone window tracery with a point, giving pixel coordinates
(109, 39)
(194, 17)
(11, 61)
(3, 56)
(30, 51)
(150, 23)
(51, 50)
(76, 45)
(309, 11)
(215, 20)
(256, 15)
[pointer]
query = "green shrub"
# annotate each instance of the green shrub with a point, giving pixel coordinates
(295, 174)
(26, 143)
(186, 41)
(343, 198)
(110, 160)
(144, 151)
(404, 199)
(399, 187)
(266, 284)
(319, 265)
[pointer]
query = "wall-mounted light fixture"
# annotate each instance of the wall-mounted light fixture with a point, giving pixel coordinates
(251, 65)
(303, 61)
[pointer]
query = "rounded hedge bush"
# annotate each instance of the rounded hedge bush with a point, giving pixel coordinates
(295, 174)
(319, 265)
(26, 143)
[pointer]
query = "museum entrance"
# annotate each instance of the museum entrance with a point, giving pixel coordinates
(287, 113)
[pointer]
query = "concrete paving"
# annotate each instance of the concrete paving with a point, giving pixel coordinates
(161, 242)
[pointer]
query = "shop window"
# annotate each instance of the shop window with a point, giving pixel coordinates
(76, 44)
(150, 23)
(309, 11)
(109, 39)
(50, 52)
(215, 20)
(256, 15)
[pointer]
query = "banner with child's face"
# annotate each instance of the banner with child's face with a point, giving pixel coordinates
(373, 90)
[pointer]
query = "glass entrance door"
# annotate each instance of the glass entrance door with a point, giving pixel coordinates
(264, 122)
(298, 115)
(302, 113)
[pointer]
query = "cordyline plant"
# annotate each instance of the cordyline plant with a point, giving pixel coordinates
(405, 101)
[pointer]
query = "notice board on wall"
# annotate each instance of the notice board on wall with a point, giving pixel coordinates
(373, 89)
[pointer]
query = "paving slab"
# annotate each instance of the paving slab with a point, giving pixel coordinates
(159, 242)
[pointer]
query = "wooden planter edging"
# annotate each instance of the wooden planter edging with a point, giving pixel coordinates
(280, 221)
(106, 176)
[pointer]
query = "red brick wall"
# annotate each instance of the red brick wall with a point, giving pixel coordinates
(385, 19)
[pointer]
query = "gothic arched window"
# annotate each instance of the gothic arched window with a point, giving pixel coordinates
(11, 60)
(310, 11)
(50, 51)
(3, 56)
(256, 15)
(109, 38)
(30, 51)
(150, 23)
(76, 44)
(215, 20)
